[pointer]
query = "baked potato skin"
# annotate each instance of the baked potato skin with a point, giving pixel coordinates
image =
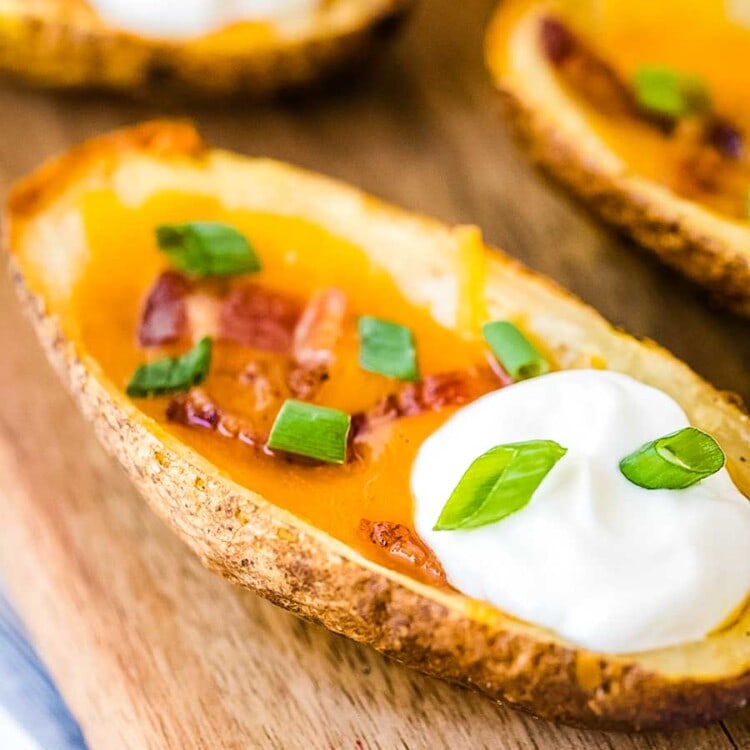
(255, 544)
(55, 52)
(678, 235)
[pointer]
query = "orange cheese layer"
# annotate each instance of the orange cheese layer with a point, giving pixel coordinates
(298, 258)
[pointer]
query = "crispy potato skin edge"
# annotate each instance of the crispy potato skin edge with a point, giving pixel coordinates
(255, 544)
(674, 236)
(32, 51)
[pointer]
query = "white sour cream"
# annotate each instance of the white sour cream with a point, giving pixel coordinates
(188, 18)
(606, 564)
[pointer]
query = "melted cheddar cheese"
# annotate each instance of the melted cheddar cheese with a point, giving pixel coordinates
(298, 258)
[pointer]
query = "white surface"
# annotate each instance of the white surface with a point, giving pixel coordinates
(32, 713)
(606, 564)
(193, 17)
(12, 736)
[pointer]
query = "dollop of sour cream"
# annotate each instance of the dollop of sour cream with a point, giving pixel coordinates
(604, 563)
(193, 17)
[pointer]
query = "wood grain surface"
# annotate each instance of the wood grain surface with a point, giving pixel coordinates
(152, 651)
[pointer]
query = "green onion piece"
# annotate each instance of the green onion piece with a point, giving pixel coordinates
(674, 461)
(498, 483)
(387, 348)
(172, 374)
(669, 92)
(207, 248)
(513, 350)
(747, 204)
(313, 431)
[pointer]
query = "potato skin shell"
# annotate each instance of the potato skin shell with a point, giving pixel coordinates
(51, 54)
(255, 544)
(674, 235)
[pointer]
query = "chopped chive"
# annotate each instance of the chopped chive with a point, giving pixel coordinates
(514, 351)
(387, 348)
(670, 93)
(675, 461)
(207, 248)
(309, 430)
(172, 374)
(498, 483)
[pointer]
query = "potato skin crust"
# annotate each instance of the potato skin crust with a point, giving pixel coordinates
(673, 229)
(54, 53)
(255, 544)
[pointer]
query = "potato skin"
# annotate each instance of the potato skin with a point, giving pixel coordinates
(255, 544)
(56, 53)
(678, 235)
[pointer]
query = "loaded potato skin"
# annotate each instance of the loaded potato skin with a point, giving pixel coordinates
(240, 534)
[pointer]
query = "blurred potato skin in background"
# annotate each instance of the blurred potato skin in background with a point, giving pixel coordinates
(63, 44)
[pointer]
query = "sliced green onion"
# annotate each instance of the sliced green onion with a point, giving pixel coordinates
(514, 351)
(387, 348)
(207, 248)
(498, 483)
(172, 374)
(674, 461)
(309, 430)
(669, 92)
(747, 204)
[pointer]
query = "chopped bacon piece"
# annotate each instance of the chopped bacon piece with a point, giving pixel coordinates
(304, 382)
(704, 146)
(259, 318)
(177, 308)
(405, 548)
(196, 409)
(266, 383)
(164, 318)
(584, 70)
(319, 328)
(433, 393)
(557, 40)
(724, 137)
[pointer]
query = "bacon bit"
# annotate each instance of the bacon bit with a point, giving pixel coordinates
(259, 318)
(557, 40)
(319, 328)
(196, 409)
(724, 137)
(584, 70)
(405, 548)
(304, 382)
(249, 315)
(264, 384)
(164, 318)
(272, 382)
(433, 393)
(700, 159)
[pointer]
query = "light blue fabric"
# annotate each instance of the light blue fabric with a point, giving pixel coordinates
(27, 695)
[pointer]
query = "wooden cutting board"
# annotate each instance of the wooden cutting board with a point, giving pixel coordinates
(150, 650)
